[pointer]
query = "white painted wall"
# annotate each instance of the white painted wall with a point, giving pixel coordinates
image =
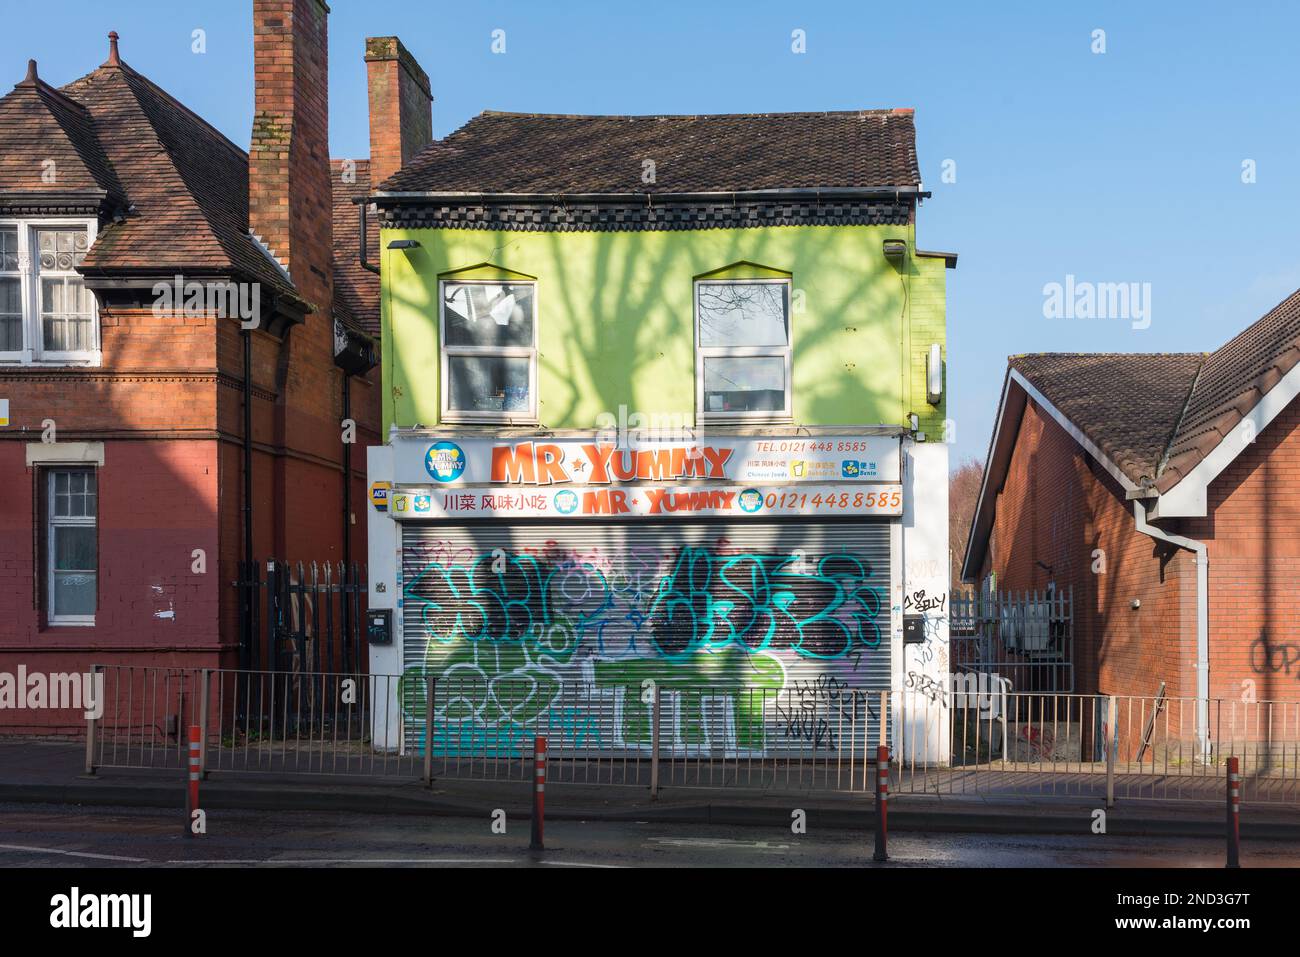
(384, 544)
(921, 683)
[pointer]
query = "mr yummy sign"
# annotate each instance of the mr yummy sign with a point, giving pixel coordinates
(547, 463)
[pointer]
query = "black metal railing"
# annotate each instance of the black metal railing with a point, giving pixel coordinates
(303, 617)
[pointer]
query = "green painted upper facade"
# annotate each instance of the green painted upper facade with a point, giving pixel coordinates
(615, 318)
(596, 240)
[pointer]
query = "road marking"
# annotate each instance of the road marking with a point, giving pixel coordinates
(352, 860)
(580, 864)
(51, 850)
(716, 843)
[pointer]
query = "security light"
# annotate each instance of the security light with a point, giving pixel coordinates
(895, 251)
(403, 244)
(934, 375)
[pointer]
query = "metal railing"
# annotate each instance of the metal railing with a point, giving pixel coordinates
(253, 721)
(813, 736)
(1104, 747)
(301, 617)
(1025, 637)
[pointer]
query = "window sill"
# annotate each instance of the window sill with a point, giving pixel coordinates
(742, 418)
(506, 420)
(87, 363)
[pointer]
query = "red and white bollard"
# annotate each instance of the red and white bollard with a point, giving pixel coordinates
(192, 790)
(882, 803)
(1234, 812)
(539, 792)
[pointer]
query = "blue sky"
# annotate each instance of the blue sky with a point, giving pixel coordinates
(1124, 166)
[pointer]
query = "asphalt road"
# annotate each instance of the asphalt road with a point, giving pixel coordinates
(61, 836)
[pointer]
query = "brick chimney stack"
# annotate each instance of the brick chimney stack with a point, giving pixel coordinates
(288, 161)
(401, 107)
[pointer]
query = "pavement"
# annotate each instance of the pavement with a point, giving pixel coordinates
(36, 771)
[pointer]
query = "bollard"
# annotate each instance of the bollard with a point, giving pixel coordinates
(428, 731)
(882, 803)
(1234, 812)
(655, 708)
(539, 793)
(192, 790)
(1111, 740)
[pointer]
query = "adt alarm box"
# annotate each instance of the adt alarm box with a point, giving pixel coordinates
(913, 629)
(379, 626)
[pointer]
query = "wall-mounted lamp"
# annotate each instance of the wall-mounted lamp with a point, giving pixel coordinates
(1135, 603)
(404, 244)
(934, 375)
(895, 251)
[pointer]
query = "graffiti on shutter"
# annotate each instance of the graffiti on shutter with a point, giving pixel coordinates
(754, 636)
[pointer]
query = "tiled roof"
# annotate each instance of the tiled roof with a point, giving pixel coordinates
(1233, 380)
(547, 153)
(1157, 416)
(1127, 404)
(186, 183)
(50, 145)
(356, 289)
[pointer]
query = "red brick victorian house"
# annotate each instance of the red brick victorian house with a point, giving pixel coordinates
(185, 330)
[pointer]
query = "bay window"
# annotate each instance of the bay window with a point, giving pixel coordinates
(47, 315)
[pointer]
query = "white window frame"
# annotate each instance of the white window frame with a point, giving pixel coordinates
(33, 353)
(447, 352)
(67, 521)
(703, 352)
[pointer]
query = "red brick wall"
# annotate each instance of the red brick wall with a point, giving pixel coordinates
(157, 504)
(1059, 507)
(1254, 553)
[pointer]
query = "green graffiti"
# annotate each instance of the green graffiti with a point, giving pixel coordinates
(746, 680)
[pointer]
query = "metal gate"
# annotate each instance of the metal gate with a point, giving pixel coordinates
(752, 634)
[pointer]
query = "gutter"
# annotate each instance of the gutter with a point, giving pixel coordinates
(818, 193)
(1202, 616)
(362, 206)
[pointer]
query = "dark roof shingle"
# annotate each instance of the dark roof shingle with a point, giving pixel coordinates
(1235, 377)
(1127, 404)
(356, 289)
(51, 145)
(186, 183)
(547, 153)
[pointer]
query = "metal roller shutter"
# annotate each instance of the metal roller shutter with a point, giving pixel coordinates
(758, 634)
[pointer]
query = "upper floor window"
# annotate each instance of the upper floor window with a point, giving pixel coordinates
(742, 351)
(489, 351)
(47, 315)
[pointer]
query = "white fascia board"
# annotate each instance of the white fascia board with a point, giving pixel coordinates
(1076, 433)
(1190, 497)
(981, 500)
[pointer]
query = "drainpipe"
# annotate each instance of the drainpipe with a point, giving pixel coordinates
(1202, 617)
(347, 510)
(246, 647)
